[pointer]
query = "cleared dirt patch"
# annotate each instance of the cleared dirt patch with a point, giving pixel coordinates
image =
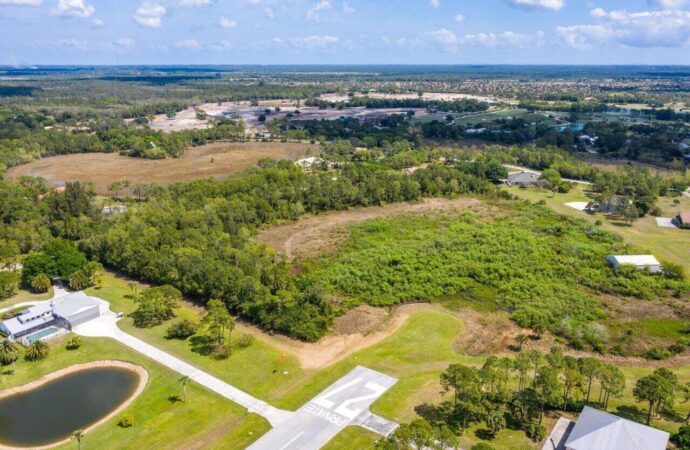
(318, 235)
(216, 160)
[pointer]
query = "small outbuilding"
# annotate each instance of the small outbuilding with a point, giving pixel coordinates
(642, 262)
(683, 219)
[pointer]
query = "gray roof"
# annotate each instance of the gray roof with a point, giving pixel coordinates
(45, 312)
(597, 430)
(523, 177)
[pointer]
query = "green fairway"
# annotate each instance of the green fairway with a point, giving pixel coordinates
(353, 438)
(159, 423)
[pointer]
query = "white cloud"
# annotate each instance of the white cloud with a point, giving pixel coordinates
(268, 12)
(436, 4)
(188, 44)
(254, 2)
(150, 14)
(504, 39)
(123, 44)
(227, 23)
(459, 18)
(21, 2)
(195, 2)
(551, 5)
(77, 44)
(665, 28)
(314, 12)
(97, 23)
(221, 46)
(444, 38)
(315, 42)
(74, 8)
(347, 9)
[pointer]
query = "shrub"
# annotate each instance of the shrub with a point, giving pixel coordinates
(36, 351)
(221, 351)
(677, 348)
(682, 438)
(182, 329)
(40, 283)
(535, 432)
(126, 421)
(673, 271)
(244, 340)
(657, 212)
(598, 223)
(482, 446)
(657, 354)
(73, 343)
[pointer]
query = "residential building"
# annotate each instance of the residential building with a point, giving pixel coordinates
(642, 262)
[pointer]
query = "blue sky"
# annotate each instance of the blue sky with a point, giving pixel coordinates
(344, 32)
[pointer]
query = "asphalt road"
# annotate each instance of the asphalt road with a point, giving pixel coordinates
(345, 402)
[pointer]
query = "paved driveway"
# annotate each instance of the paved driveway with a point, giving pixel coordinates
(106, 326)
(345, 402)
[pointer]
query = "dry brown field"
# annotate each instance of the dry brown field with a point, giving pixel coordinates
(217, 160)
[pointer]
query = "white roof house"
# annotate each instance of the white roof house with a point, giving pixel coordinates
(598, 430)
(648, 262)
(65, 312)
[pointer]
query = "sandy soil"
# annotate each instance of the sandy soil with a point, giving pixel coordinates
(143, 381)
(316, 235)
(216, 160)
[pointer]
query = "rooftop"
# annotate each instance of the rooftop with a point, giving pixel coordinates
(635, 260)
(45, 312)
(598, 430)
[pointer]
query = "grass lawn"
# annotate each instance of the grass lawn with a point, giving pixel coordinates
(668, 244)
(352, 438)
(672, 329)
(25, 296)
(204, 418)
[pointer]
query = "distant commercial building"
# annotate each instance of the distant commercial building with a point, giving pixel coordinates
(598, 430)
(683, 219)
(642, 262)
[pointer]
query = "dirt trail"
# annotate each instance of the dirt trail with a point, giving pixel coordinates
(314, 235)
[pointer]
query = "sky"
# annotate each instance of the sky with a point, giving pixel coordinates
(344, 32)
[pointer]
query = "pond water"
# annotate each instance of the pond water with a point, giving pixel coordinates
(54, 411)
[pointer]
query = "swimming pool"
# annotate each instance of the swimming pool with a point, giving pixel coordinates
(40, 335)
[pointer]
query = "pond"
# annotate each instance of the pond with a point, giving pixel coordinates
(53, 411)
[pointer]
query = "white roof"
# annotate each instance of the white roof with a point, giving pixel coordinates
(70, 305)
(597, 430)
(635, 260)
(45, 312)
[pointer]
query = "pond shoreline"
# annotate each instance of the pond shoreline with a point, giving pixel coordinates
(140, 371)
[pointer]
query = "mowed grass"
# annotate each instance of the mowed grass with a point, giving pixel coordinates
(667, 244)
(159, 423)
(259, 369)
(675, 329)
(352, 438)
(25, 296)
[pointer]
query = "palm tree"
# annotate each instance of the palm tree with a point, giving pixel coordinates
(184, 380)
(36, 351)
(8, 353)
(78, 436)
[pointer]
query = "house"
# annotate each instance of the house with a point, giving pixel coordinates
(598, 430)
(114, 209)
(475, 130)
(64, 312)
(15, 267)
(312, 161)
(683, 219)
(642, 262)
(524, 179)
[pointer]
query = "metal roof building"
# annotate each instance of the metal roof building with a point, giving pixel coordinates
(66, 312)
(648, 262)
(598, 430)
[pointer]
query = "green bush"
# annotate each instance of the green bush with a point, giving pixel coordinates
(182, 329)
(657, 354)
(244, 340)
(535, 432)
(9, 283)
(126, 421)
(73, 343)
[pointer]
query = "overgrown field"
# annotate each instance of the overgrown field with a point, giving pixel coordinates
(216, 160)
(549, 270)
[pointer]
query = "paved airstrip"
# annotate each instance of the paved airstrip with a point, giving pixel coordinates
(344, 403)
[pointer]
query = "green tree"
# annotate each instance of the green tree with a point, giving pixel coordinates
(495, 421)
(548, 387)
(589, 368)
(8, 352)
(218, 320)
(78, 436)
(40, 283)
(78, 281)
(184, 380)
(658, 389)
(612, 381)
(36, 351)
(9, 283)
